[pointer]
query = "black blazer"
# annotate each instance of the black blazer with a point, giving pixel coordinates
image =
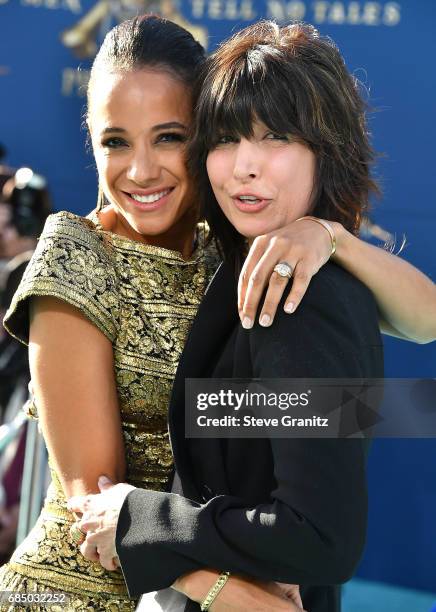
(291, 510)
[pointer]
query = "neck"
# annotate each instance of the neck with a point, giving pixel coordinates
(181, 241)
(179, 237)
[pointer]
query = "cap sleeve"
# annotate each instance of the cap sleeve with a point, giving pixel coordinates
(73, 262)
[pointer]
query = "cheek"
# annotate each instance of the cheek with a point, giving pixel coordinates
(216, 166)
(209, 168)
(174, 164)
(180, 165)
(294, 175)
(110, 171)
(285, 169)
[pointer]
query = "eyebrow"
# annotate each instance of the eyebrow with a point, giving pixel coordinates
(155, 128)
(169, 125)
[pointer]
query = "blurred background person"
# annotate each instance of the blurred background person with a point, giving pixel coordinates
(5, 174)
(24, 206)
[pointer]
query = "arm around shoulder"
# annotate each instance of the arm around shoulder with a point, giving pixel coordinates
(406, 298)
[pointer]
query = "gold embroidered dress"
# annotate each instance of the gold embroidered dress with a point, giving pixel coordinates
(143, 298)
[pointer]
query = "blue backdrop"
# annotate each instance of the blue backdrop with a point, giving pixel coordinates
(391, 47)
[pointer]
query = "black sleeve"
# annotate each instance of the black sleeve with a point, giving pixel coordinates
(311, 530)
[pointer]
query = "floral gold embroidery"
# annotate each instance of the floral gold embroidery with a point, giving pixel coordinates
(143, 299)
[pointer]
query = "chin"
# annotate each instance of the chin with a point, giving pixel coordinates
(151, 229)
(251, 230)
(251, 225)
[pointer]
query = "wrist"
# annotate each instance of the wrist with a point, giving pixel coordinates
(327, 225)
(196, 585)
(343, 238)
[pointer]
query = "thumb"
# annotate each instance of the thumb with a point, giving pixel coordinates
(104, 483)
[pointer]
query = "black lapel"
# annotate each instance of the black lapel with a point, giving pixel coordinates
(215, 320)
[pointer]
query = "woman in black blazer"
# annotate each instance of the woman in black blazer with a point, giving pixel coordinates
(281, 130)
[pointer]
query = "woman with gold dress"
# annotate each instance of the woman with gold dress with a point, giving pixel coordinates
(107, 301)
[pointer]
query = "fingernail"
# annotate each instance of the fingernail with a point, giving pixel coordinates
(247, 323)
(290, 307)
(103, 480)
(265, 320)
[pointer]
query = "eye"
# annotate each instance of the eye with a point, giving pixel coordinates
(226, 139)
(114, 142)
(274, 136)
(171, 137)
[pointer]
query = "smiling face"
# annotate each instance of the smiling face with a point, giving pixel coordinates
(138, 122)
(263, 182)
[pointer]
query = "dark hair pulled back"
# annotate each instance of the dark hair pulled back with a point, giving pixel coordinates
(148, 41)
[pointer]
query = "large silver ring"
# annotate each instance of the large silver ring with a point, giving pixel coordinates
(283, 269)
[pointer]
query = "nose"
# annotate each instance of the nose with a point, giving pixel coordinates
(143, 166)
(247, 161)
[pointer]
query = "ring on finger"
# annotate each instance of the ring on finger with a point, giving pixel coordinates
(77, 534)
(283, 269)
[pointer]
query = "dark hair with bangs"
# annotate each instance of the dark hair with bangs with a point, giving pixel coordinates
(295, 82)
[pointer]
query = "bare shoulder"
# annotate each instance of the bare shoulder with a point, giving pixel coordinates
(105, 219)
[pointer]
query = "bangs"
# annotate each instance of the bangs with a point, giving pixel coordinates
(296, 83)
(252, 90)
